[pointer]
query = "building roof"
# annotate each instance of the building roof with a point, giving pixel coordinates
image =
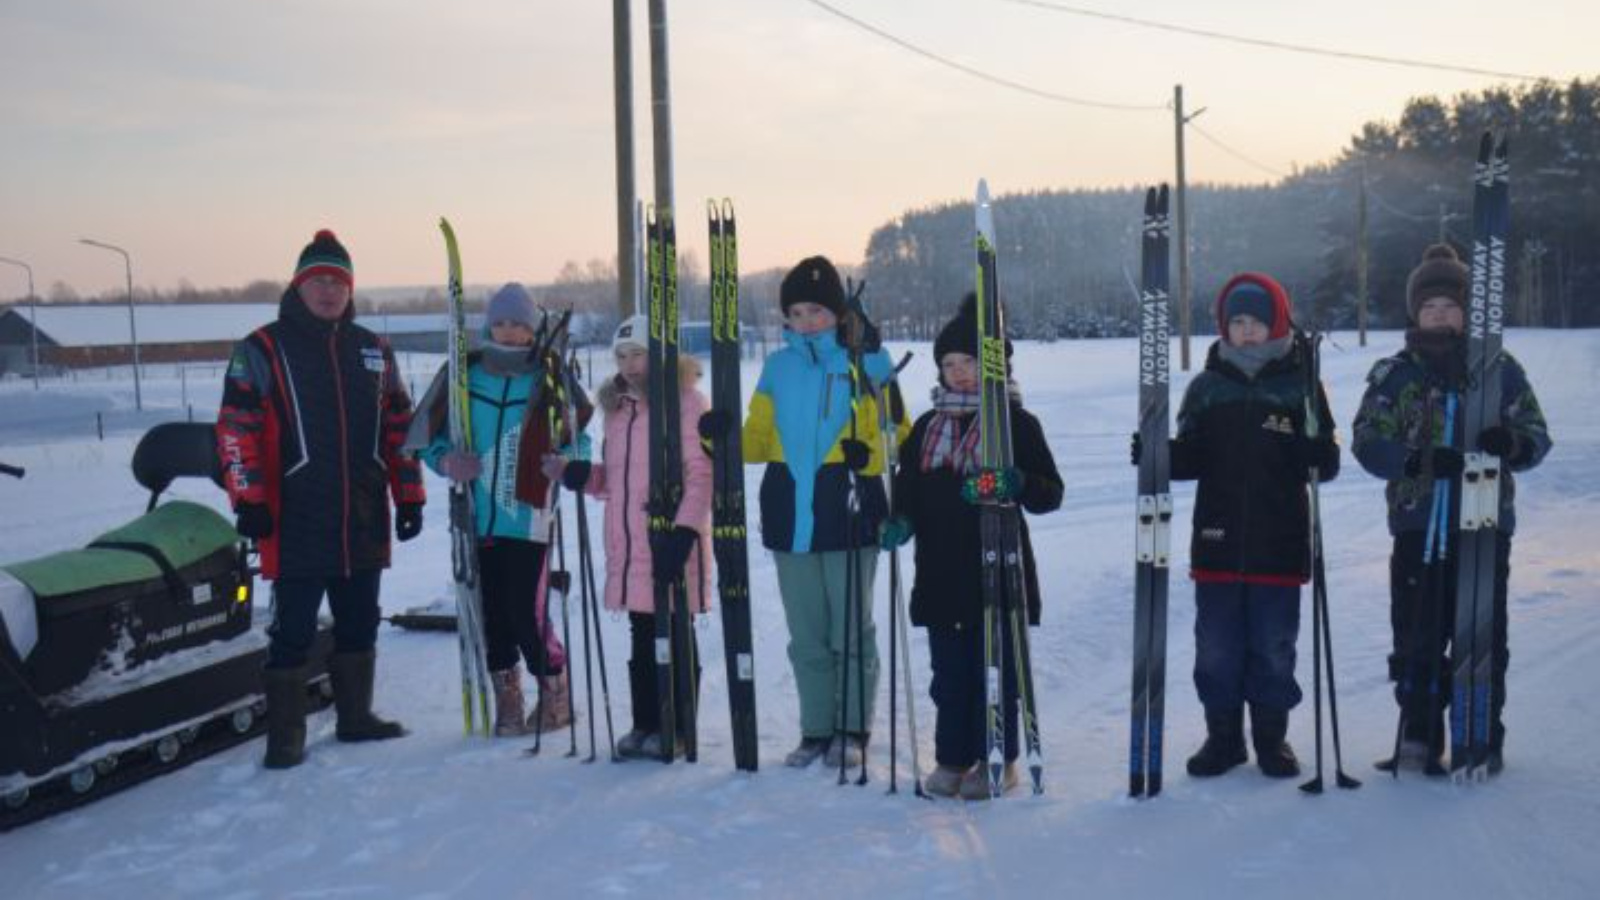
(106, 325)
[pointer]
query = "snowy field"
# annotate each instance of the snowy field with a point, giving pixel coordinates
(438, 815)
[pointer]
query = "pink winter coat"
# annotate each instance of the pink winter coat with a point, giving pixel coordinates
(622, 479)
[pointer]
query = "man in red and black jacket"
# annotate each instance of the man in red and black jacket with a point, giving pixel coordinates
(313, 416)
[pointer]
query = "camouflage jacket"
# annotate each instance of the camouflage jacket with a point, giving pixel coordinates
(1403, 410)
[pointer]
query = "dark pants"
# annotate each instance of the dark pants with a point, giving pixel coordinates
(295, 602)
(1422, 615)
(1244, 645)
(960, 731)
(509, 575)
(642, 675)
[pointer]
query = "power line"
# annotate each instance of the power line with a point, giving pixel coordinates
(1235, 153)
(980, 74)
(1275, 45)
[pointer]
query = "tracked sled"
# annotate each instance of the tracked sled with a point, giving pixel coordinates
(135, 655)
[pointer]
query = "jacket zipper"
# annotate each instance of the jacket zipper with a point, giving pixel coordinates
(499, 435)
(344, 443)
(627, 506)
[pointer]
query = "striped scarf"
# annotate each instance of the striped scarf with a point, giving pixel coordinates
(951, 441)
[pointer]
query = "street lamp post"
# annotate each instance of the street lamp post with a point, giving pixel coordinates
(33, 316)
(133, 329)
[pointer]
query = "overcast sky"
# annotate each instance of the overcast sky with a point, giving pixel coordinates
(212, 137)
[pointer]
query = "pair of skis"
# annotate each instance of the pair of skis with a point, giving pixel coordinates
(1472, 648)
(1005, 597)
(675, 665)
(1153, 517)
(728, 530)
(476, 688)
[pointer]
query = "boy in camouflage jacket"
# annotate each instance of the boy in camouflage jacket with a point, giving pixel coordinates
(1400, 437)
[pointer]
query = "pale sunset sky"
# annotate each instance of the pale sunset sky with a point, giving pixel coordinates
(212, 137)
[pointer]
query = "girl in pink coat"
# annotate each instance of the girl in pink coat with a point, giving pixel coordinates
(622, 480)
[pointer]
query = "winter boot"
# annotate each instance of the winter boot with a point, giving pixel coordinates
(847, 749)
(944, 781)
(1224, 746)
(554, 711)
(804, 755)
(1416, 754)
(286, 717)
(631, 745)
(351, 674)
(508, 702)
(650, 747)
(975, 784)
(1268, 729)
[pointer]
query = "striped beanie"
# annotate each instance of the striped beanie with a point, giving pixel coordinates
(324, 256)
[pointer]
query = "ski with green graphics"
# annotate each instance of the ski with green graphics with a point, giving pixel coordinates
(1005, 600)
(727, 503)
(475, 686)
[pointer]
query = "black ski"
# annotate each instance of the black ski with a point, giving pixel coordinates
(727, 503)
(1472, 649)
(674, 670)
(1153, 525)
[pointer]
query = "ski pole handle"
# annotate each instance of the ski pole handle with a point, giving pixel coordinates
(13, 471)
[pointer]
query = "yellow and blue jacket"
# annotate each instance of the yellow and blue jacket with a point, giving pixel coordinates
(803, 407)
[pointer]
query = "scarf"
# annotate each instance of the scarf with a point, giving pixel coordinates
(1443, 354)
(951, 441)
(1252, 359)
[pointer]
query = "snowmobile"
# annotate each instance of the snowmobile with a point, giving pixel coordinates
(137, 654)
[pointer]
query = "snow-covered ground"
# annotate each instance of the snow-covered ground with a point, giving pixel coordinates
(439, 815)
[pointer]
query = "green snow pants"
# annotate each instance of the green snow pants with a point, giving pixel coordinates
(813, 590)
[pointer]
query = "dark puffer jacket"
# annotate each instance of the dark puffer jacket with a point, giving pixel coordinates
(948, 591)
(1241, 437)
(312, 420)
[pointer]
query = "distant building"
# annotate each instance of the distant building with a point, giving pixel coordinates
(95, 335)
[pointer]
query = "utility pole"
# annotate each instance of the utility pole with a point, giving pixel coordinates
(627, 191)
(1184, 287)
(1361, 257)
(661, 105)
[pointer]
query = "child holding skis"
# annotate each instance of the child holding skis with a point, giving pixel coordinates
(1400, 436)
(935, 493)
(622, 480)
(510, 430)
(1241, 433)
(822, 502)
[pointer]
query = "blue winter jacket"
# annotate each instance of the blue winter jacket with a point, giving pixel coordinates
(799, 414)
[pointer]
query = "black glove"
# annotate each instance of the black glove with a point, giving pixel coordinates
(1498, 440)
(1446, 462)
(714, 423)
(856, 454)
(253, 520)
(408, 521)
(575, 475)
(669, 552)
(1317, 453)
(1136, 448)
(858, 331)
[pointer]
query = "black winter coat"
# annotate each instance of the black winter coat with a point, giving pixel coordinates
(312, 419)
(947, 591)
(1242, 438)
